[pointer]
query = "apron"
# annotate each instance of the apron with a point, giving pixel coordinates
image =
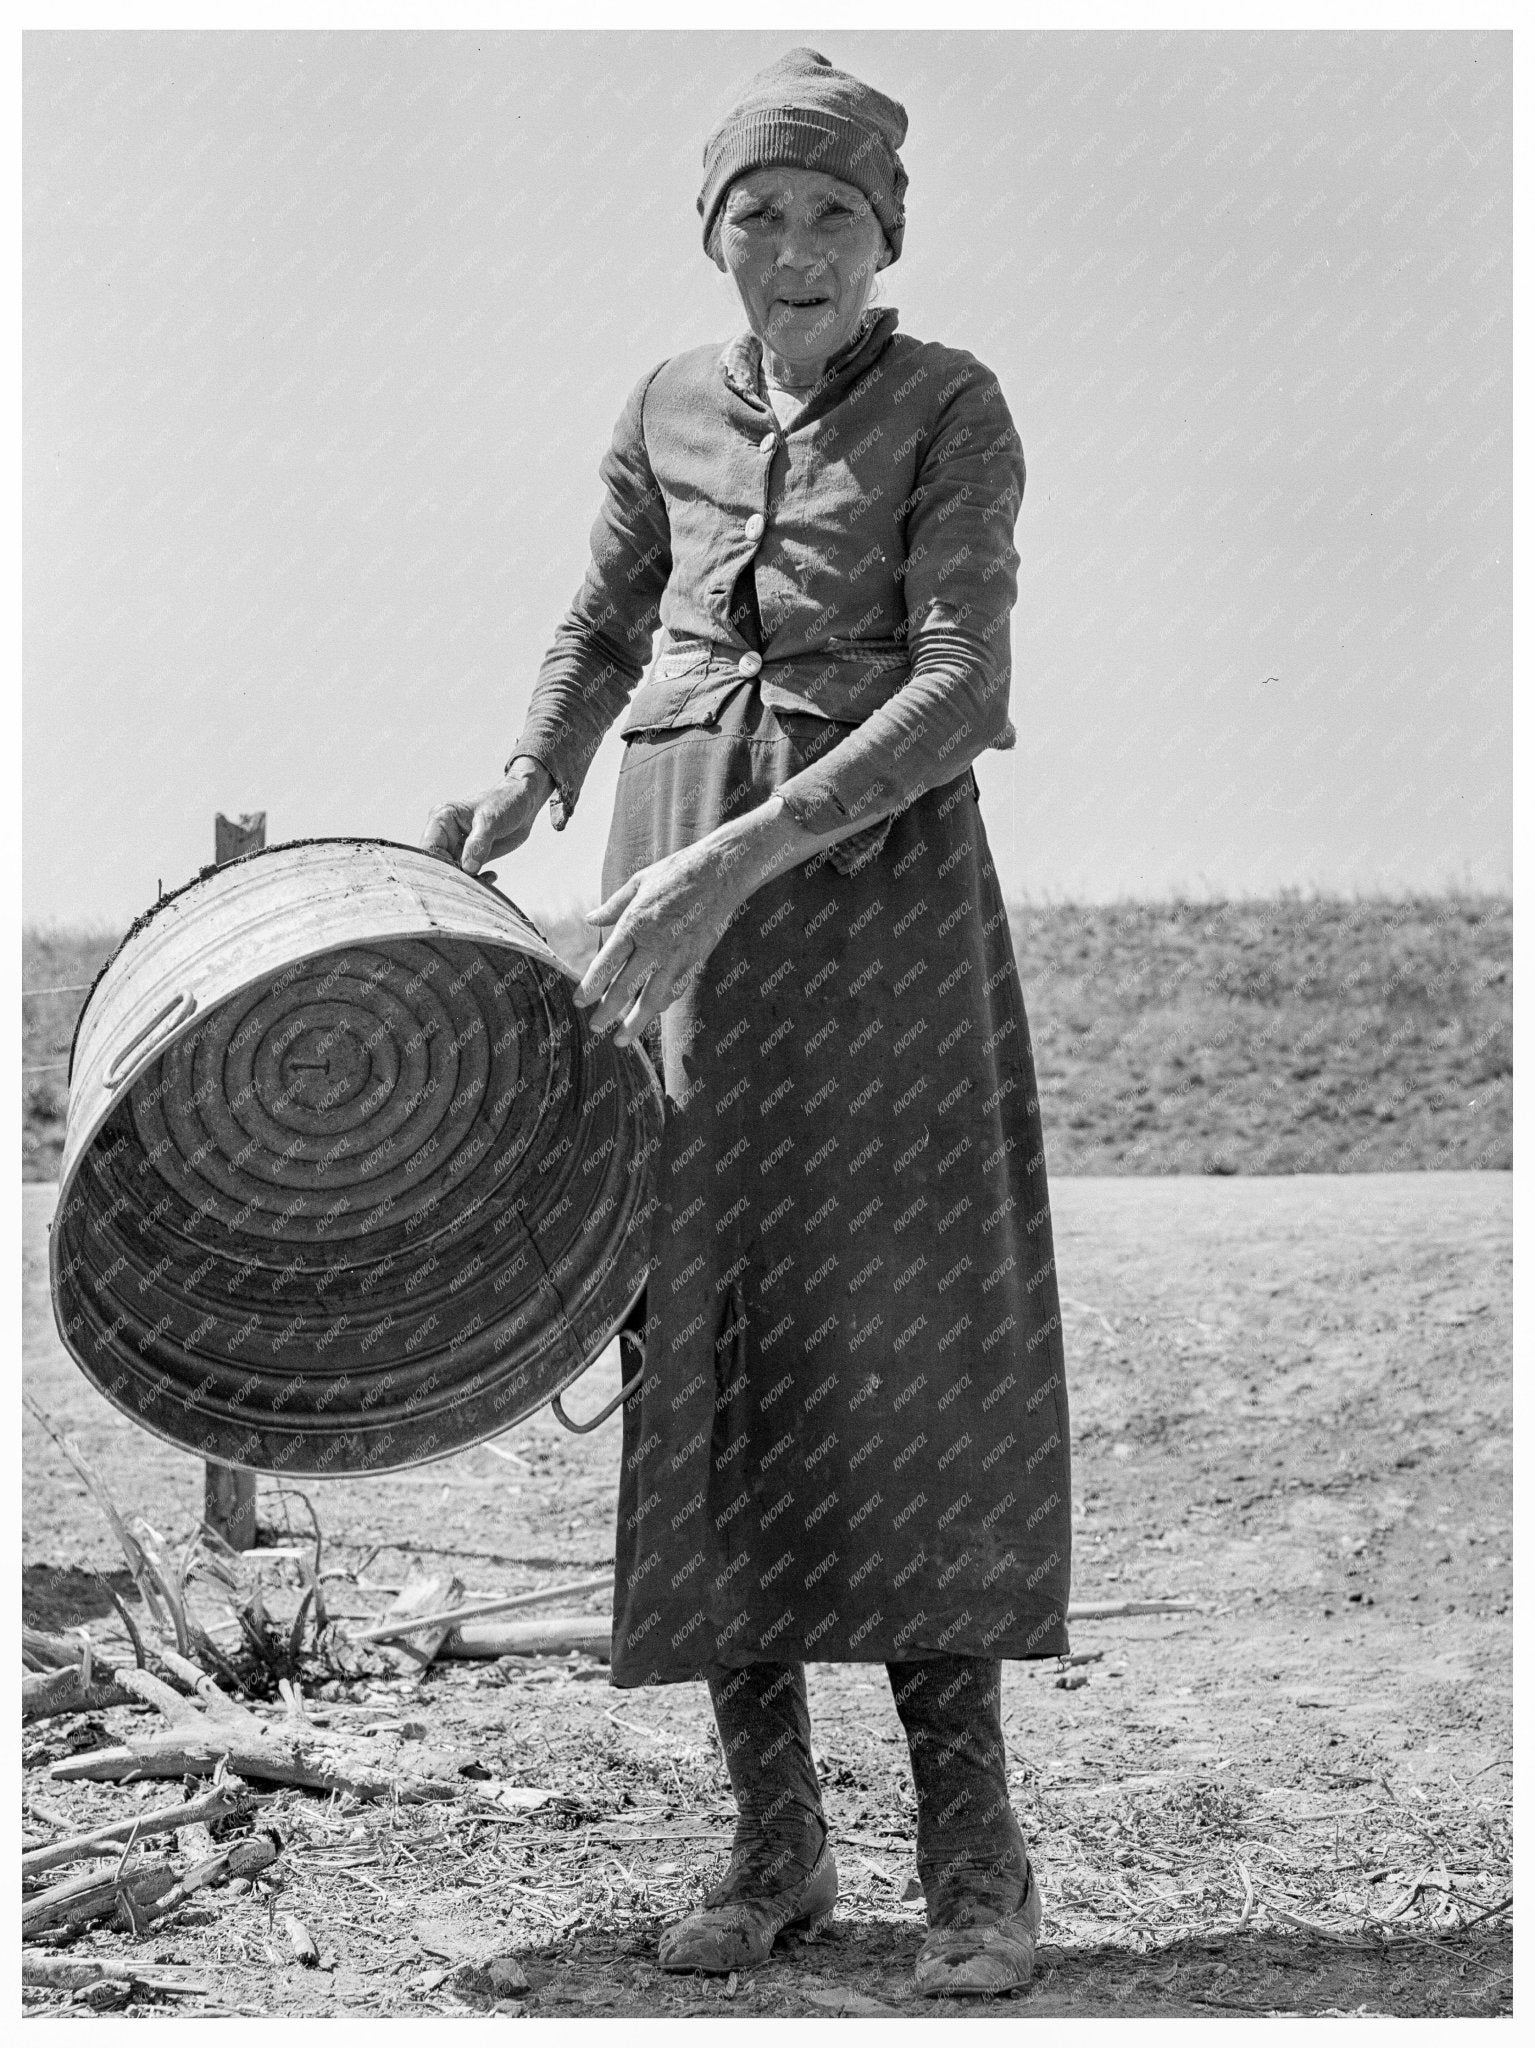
(851, 1441)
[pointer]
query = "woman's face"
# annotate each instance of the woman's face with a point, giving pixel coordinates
(803, 248)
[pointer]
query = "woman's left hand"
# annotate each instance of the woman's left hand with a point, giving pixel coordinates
(669, 919)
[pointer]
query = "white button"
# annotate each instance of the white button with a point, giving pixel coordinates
(749, 665)
(756, 527)
(769, 441)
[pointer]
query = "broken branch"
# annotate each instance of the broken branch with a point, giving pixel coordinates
(44, 1693)
(75, 1973)
(209, 1806)
(195, 1753)
(244, 1858)
(1108, 1610)
(453, 1617)
(78, 1901)
(555, 1636)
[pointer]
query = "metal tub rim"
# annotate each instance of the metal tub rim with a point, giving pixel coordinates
(494, 922)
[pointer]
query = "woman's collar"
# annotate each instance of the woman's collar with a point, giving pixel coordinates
(741, 359)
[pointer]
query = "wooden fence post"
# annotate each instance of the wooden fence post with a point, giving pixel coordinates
(234, 836)
(229, 1491)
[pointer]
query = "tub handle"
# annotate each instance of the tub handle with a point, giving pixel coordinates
(629, 1387)
(174, 1014)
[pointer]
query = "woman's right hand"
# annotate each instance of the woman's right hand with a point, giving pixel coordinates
(474, 830)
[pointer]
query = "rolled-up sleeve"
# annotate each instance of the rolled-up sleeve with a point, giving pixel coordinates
(601, 646)
(961, 583)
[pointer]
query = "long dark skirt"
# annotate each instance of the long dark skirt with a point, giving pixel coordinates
(852, 1442)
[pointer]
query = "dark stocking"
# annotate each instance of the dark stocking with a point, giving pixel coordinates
(764, 1723)
(970, 1852)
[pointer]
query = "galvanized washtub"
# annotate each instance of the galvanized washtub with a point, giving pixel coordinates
(348, 1181)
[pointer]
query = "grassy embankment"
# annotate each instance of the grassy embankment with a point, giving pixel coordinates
(1293, 1035)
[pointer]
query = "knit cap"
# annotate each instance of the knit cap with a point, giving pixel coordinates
(802, 110)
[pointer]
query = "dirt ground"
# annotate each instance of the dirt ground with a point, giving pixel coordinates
(1291, 1406)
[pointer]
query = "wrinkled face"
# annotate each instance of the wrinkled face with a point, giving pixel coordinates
(803, 248)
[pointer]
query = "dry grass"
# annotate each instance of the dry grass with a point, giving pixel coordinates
(1217, 1853)
(1291, 1035)
(1179, 1892)
(582, 1827)
(579, 1828)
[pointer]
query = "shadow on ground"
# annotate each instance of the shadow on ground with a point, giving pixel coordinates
(61, 1596)
(863, 1967)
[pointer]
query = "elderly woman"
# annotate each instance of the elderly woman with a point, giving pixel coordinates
(851, 1442)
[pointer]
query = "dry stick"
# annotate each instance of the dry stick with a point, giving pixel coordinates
(126, 1619)
(188, 1754)
(50, 1816)
(194, 1753)
(45, 1693)
(559, 1634)
(552, 1636)
(141, 1685)
(145, 1896)
(176, 1708)
(1318, 1931)
(216, 1805)
(77, 1901)
(53, 1695)
(74, 1973)
(1109, 1610)
(144, 1685)
(244, 1858)
(202, 1683)
(452, 1616)
(46, 1652)
(301, 1941)
(54, 1653)
(1501, 1907)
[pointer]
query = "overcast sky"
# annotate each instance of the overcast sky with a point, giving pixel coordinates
(325, 335)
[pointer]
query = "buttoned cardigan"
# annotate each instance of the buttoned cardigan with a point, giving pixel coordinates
(878, 523)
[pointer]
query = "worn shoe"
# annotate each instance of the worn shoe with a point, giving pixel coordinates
(981, 1957)
(743, 1916)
